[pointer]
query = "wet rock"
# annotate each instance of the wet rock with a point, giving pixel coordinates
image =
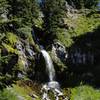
(59, 51)
(52, 91)
(20, 75)
(29, 50)
(26, 59)
(22, 56)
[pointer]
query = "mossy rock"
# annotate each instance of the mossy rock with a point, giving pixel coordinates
(9, 48)
(11, 38)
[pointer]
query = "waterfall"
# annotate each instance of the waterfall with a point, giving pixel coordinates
(49, 65)
(52, 85)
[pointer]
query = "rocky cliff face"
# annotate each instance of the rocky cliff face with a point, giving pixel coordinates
(17, 56)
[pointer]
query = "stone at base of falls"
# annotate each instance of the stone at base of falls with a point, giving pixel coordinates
(54, 88)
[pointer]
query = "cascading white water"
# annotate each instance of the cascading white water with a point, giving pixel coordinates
(52, 85)
(49, 65)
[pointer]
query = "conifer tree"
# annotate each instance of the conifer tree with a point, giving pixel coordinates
(54, 12)
(79, 4)
(91, 4)
(3, 6)
(25, 10)
(4, 10)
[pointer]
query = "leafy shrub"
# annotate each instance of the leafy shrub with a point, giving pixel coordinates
(85, 93)
(12, 38)
(7, 95)
(25, 33)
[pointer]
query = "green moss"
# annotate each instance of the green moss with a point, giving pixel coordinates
(20, 65)
(10, 48)
(12, 38)
(30, 39)
(85, 93)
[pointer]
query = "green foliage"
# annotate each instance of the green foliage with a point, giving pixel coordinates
(9, 48)
(11, 38)
(20, 65)
(64, 37)
(85, 24)
(54, 12)
(79, 4)
(1, 37)
(27, 10)
(4, 10)
(85, 93)
(18, 91)
(3, 6)
(77, 26)
(91, 3)
(22, 91)
(6, 66)
(25, 33)
(7, 95)
(5, 79)
(4, 59)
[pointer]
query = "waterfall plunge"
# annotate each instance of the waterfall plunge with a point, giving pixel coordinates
(49, 65)
(52, 85)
